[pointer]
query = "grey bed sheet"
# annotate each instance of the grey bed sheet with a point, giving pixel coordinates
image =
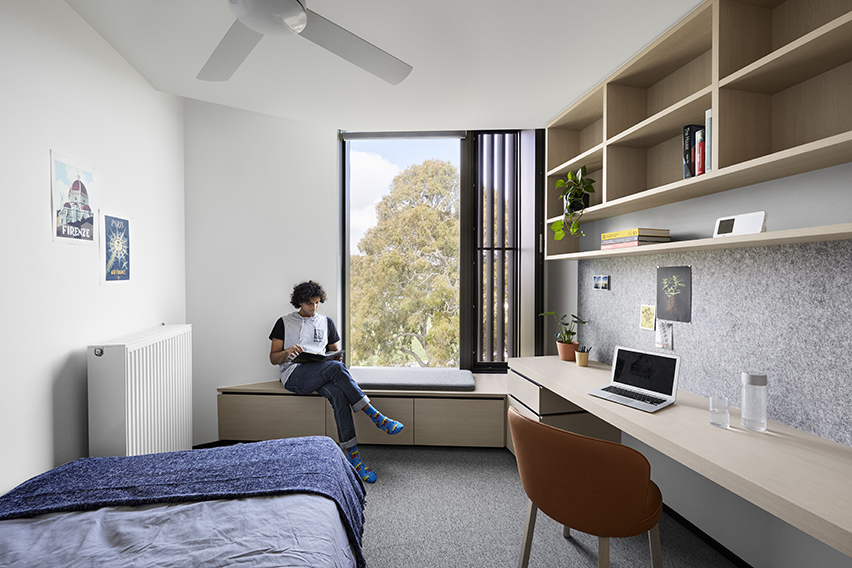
(294, 530)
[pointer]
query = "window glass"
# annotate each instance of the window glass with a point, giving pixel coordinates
(404, 252)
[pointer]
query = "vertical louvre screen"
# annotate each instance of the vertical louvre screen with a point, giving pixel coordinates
(497, 245)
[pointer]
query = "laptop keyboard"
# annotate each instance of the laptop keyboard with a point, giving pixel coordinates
(634, 395)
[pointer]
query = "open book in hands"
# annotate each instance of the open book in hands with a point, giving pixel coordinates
(308, 357)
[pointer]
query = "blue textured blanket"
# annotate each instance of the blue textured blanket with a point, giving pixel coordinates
(296, 465)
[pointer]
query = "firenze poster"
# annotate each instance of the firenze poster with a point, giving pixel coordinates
(72, 206)
(116, 249)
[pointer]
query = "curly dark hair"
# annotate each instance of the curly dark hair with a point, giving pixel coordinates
(305, 292)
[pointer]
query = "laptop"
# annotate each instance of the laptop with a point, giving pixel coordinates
(641, 379)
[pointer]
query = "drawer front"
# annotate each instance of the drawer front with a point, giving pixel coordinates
(460, 422)
(582, 422)
(514, 403)
(539, 399)
(398, 408)
(586, 424)
(248, 417)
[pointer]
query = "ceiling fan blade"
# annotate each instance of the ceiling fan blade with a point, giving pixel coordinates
(355, 50)
(230, 53)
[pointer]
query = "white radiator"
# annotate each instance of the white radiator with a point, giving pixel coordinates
(140, 393)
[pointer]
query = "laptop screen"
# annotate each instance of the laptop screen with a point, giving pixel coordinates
(650, 371)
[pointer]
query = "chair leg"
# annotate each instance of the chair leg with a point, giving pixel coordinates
(656, 550)
(603, 552)
(566, 531)
(529, 528)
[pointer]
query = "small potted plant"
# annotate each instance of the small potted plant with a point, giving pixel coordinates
(575, 192)
(565, 344)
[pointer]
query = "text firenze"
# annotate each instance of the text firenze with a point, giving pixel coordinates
(70, 231)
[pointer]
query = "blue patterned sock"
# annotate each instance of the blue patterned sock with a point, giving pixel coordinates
(382, 421)
(362, 470)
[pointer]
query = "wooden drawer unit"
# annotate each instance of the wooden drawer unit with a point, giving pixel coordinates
(249, 417)
(398, 408)
(538, 399)
(266, 410)
(459, 422)
(578, 421)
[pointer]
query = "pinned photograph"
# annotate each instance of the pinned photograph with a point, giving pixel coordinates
(663, 339)
(647, 317)
(72, 209)
(601, 282)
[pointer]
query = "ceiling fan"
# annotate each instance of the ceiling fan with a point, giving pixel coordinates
(256, 18)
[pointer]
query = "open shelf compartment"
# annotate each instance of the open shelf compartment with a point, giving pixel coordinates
(752, 30)
(554, 205)
(817, 52)
(668, 71)
(753, 125)
(576, 131)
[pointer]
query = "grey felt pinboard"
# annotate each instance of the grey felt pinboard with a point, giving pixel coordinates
(783, 310)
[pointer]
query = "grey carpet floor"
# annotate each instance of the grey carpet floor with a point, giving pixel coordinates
(465, 507)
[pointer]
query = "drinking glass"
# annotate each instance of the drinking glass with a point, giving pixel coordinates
(719, 414)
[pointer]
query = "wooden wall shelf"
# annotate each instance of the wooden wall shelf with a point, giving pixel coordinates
(792, 236)
(781, 108)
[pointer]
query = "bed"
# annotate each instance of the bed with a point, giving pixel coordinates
(292, 502)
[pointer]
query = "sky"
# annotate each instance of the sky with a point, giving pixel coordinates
(373, 165)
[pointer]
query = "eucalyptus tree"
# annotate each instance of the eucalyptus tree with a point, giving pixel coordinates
(405, 281)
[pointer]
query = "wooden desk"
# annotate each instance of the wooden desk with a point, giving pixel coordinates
(800, 478)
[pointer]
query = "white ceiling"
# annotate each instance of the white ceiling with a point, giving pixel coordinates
(478, 64)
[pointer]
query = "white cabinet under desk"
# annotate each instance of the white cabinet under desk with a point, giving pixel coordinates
(798, 477)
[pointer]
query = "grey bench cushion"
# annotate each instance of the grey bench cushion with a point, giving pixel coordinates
(413, 378)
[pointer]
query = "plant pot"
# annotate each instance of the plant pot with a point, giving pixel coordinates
(574, 205)
(582, 359)
(567, 350)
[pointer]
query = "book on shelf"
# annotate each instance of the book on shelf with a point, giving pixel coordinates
(689, 135)
(635, 238)
(639, 231)
(630, 244)
(708, 137)
(698, 162)
(309, 357)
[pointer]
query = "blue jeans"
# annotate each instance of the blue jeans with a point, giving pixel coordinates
(332, 380)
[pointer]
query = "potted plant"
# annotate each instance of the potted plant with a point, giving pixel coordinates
(574, 193)
(565, 344)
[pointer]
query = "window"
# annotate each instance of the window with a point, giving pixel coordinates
(431, 270)
(403, 232)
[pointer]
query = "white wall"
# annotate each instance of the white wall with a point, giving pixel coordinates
(65, 89)
(262, 215)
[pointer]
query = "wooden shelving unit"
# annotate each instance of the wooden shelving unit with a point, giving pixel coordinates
(777, 75)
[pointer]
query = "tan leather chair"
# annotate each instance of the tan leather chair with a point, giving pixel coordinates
(597, 487)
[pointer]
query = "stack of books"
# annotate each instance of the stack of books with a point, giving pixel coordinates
(634, 238)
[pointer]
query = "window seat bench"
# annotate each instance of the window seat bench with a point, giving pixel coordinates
(431, 405)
